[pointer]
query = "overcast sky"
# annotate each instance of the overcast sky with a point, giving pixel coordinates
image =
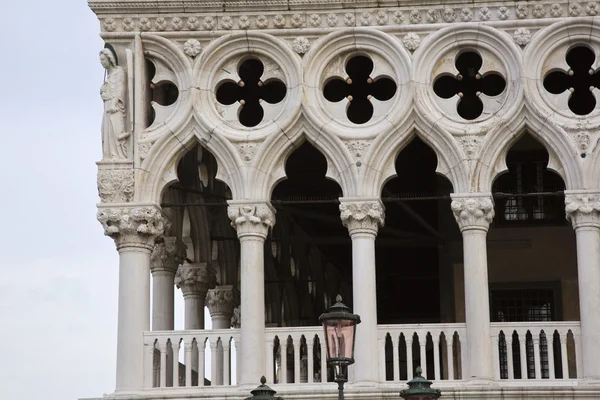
(58, 272)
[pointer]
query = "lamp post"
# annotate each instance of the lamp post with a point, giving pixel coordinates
(263, 392)
(339, 326)
(420, 389)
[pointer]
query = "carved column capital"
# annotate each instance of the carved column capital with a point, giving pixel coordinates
(221, 301)
(583, 208)
(168, 255)
(195, 279)
(473, 210)
(236, 318)
(251, 218)
(135, 226)
(362, 215)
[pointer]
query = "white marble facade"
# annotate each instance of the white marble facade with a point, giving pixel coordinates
(198, 45)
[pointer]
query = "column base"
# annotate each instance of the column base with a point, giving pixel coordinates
(592, 381)
(476, 381)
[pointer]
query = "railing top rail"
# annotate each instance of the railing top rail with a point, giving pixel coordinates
(535, 324)
(194, 332)
(440, 326)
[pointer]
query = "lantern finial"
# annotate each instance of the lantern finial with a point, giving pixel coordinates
(263, 380)
(419, 371)
(338, 298)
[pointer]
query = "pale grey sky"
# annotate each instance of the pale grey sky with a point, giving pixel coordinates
(58, 273)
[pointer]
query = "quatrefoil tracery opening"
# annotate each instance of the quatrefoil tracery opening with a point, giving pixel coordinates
(469, 85)
(580, 80)
(250, 91)
(359, 88)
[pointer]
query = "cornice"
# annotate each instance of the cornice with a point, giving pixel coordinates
(174, 16)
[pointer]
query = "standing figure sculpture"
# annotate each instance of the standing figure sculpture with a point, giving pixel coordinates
(112, 91)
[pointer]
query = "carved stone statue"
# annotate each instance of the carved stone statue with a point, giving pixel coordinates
(112, 91)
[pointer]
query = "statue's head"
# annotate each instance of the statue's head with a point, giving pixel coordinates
(108, 58)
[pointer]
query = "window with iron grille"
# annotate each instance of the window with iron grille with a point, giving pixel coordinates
(539, 302)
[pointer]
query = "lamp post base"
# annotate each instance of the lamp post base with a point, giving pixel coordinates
(340, 379)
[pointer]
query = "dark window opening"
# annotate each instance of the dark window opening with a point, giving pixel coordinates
(359, 88)
(528, 192)
(580, 80)
(469, 84)
(250, 91)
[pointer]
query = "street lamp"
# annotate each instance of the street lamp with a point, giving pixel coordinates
(420, 389)
(339, 326)
(263, 392)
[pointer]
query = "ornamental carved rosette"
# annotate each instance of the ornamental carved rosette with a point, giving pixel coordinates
(362, 216)
(221, 301)
(195, 279)
(251, 218)
(132, 226)
(583, 208)
(115, 185)
(168, 255)
(473, 212)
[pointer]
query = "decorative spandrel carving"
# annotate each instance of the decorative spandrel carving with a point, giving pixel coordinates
(115, 185)
(473, 212)
(113, 92)
(132, 227)
(362, 216)
(583, 209)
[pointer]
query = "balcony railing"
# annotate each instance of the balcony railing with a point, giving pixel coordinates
(524, 350)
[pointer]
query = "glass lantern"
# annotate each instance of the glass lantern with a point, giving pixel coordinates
(339, 327)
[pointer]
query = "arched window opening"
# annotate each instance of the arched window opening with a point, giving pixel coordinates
(309, 233)
(413, 248)
(528, 192)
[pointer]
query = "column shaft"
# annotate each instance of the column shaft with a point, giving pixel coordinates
(163, 301)
(134, 316)
(194, 311)
(252, 290)
(365, 304)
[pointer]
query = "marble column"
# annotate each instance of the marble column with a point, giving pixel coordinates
(220, 302)
(134, 230)
(252, 220)
(164, 261)
(474, 212)
(195, 280)
(583, 210)
(363, 217)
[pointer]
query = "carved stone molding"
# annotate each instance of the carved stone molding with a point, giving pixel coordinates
(195, 279)
(132, 226)
(167, 255)
(473, 210)
(362, 215)
(470, 145)
(236, 318)
(221, 301)
(583, 208)
(251, 218)
(115, 185)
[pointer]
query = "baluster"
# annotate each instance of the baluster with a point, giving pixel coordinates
(463, 354)
(496, 354)
(297, 345)
(188, 363)
(450, 351)
(422, 344)
(381, 350)
(163, 364)
(550, 347)
(175, 346)
(214, 370)
(537, 356)
(201, 347)
(523, 354)
(509, 355)
(564, 356)
(226, 372)
(148, 365)
(283, 367)
(409, 358)
(578, 359)
(270, 360)
(396, 357)
(436, 357)
(310, 353)
(323, 361)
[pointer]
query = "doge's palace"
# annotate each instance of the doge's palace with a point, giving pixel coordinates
(434, 162)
